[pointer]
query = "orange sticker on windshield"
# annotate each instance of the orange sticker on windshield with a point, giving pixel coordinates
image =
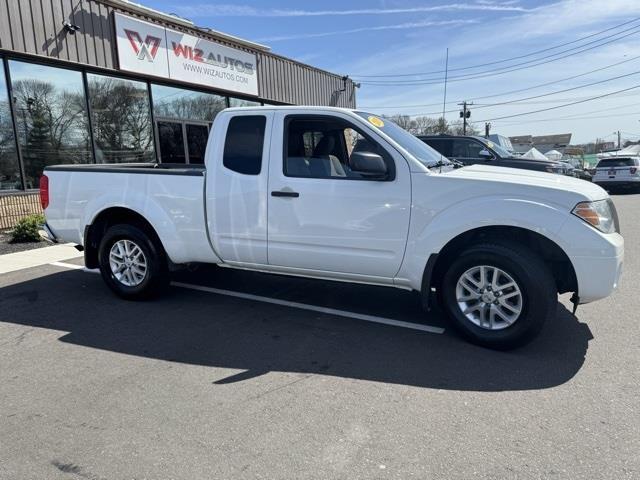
(376, 122)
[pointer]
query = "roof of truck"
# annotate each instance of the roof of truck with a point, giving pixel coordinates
(289, 107)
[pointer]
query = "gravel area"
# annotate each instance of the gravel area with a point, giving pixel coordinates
(7, 247)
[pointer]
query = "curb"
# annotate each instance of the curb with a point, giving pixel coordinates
(12, 262)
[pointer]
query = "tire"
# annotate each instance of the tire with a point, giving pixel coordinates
(127, 278)
(485, 322)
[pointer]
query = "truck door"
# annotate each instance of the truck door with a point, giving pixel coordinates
(236, 193)
(324, 215)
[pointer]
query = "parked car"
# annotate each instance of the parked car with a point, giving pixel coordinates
(473, 150)
(618, 172)
(344, 195)
(578, 168)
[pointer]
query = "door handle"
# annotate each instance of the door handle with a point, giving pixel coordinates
(284, 193)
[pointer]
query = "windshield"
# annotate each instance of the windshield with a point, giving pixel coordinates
(503, 153)
(417, 148)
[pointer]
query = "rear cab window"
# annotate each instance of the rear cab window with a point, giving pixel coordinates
(244, 144)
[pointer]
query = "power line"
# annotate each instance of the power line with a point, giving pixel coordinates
(501, 71)
(501, 61)
(507, 102)
(513, 91)
(561, 91)
(572, 118)
(560, 106)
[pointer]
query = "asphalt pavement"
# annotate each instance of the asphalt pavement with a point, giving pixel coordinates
(203, 385)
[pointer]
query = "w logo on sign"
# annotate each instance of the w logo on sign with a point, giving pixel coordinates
(144, 50)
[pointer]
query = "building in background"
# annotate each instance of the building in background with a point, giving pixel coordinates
(103, 81)
(544, 143)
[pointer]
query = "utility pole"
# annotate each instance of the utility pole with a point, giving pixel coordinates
(618, 139)
(487, 127)
(465, 113)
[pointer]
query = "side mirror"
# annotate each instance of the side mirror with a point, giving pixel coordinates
(486, 154)
(368, 164)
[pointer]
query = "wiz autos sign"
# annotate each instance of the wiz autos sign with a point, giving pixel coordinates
(154, 50)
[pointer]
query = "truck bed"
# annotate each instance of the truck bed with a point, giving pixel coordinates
(169, 196)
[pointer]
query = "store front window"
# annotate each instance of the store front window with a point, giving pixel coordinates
(239, 102)
(183, 119)
(9, 167)
(121, 120)
(179, 103)
(51, 117)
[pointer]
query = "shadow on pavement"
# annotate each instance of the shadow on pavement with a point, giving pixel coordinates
(212, 330)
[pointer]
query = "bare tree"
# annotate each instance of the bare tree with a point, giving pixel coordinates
(456, 128)
(431, 126)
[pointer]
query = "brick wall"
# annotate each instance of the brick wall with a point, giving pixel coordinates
(16, 206)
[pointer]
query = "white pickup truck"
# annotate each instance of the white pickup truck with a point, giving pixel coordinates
(345, 195)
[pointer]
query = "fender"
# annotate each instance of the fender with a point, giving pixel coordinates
(184, 241)
(430, 231)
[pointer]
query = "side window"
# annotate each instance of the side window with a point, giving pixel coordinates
(437, 145)
(459, 149)
(243, 144)
(463, 148)
(322, 148)
(475, 148)
(447, 148)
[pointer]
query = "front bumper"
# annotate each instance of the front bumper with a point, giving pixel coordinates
(599, 275)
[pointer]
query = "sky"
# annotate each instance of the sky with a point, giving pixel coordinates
(560, 52)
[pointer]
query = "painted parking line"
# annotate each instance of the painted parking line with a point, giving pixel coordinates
(68, 265)
(287, 303)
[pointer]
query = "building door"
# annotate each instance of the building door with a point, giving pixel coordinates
(180, 141)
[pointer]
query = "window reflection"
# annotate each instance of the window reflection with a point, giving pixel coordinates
(121, 119)
(51, 117)
(9, 168)
(239, 102)
(170, 102)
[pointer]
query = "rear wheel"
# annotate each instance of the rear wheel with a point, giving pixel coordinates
(132, 262)
(498, 295)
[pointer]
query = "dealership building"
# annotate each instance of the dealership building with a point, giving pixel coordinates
(104, 81)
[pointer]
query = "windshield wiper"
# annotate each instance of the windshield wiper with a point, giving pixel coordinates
(446, 163)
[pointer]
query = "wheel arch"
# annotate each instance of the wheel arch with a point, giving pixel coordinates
(551, 253)
(108, 217)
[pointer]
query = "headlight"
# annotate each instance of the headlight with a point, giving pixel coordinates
(600, 214)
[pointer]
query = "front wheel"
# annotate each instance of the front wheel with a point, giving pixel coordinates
(132, 263)
(499, 295)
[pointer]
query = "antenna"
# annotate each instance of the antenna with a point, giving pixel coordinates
(446, 74)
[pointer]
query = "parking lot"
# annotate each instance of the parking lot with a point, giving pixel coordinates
(207, 384)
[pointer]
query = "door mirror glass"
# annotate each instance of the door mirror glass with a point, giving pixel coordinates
(485, 154)
(368, 164)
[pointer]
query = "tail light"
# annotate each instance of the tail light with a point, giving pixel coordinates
(633, 170)
(44, 191)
